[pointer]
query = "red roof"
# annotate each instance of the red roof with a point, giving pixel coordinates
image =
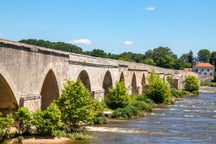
(204, 65)
(188, 69)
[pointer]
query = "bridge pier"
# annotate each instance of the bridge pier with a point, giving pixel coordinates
(31, 101)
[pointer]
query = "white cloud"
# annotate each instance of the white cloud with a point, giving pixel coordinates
(1, 34)
(150, 8)
(81, 42)
(128, 42)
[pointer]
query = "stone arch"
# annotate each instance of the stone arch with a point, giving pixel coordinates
(84, 77)
(9, 99)
(107, 82)
(134, 85)
(122, 77)
(49, 90)
(143, 83)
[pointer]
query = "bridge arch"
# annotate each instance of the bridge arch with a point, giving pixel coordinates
(107, 82)
(134, 85)
(49, 90)
(9, 98)
(84, 77)
(143, 83)
(122, 77)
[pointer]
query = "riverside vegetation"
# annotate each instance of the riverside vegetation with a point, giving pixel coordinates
(75, 109)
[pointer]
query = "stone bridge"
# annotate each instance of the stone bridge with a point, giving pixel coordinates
(33, 76)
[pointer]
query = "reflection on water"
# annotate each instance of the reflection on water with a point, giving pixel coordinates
(192, 120)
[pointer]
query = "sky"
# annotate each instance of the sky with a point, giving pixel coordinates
(115, 26)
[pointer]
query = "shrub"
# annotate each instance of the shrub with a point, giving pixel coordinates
(24, 118)
(76, 106)
(47, 122)
(142, 106)
(5, 126)
(126, 112)
(157, 89)
(100, 120)
(118, 97)
(192, 84)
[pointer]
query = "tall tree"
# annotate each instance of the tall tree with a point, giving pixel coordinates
(204, 55)
(163, 57)
(76, 105)
(213, 58)
(191, 58)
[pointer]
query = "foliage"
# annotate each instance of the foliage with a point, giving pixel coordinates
(5, 126)
(24, 118)
(98, 107)
(157, 89)
(149, 61)
(47, 122)
(192, 84)
(118, 97)
(170, 80)
(126, 112)
(142, 106)
(100, 120)
(213, 58)
(211, 84)
(76, 105)
(204, 55)
(54, 45)
(178, 93)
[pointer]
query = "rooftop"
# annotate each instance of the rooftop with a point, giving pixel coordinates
(204, 65)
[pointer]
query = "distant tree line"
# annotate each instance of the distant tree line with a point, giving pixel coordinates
(161, 56)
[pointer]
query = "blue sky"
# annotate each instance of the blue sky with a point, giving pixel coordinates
(115, 26)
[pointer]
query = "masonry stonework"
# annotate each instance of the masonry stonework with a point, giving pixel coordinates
(33, 76)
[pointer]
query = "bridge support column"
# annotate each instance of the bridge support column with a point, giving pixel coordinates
(31, 101)
(98, 94)
(140, 90)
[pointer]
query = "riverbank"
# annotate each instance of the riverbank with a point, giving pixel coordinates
(207, 89)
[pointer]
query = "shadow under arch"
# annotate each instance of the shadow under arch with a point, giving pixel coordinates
(84, 77)
(49, 90)
(143, 83)
(122, 77)
(9, 102)
(107, 82)
(134, 85)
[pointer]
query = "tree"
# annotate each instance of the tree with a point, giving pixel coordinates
(192, 84)
(157, 89)
(98, 53)
(149, 61)
(47, 122)
(213, 58)
(162, 56)
(204, 55)
(24, 118)
(118, 97)
(76, 105)
(191, 58)
(5, 126)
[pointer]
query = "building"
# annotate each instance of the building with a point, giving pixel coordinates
(204, 69)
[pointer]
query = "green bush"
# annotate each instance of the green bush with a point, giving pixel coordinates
(157, 89)
(24, 118)
(126, 112)
(100, 120)
(118, 97)
(142, 106)
(47, 122)
(178, 93)
(76, 105)
(192, 84)
(5, 126)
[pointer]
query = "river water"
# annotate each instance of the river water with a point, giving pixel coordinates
(191, 120)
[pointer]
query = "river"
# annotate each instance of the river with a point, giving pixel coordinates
(191, 120)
